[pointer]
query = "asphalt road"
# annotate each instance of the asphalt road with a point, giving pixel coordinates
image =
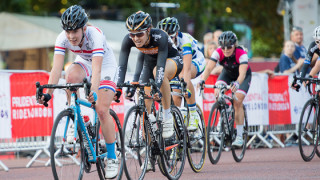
(263, 163)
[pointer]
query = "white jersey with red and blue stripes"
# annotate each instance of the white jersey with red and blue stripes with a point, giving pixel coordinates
(94, 44)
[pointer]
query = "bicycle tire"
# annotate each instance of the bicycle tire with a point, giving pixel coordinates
(100, 147)
(215, 135)
(173, 159)
(69, 169)
(196, 153)
(317, 144)
(307, 129)
(238, 157)
(136, 147)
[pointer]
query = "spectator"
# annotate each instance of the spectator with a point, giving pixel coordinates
(216, 35)
(206, 38)
(288, 63)
(297, 38)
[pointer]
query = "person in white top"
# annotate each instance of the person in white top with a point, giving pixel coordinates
(96, 62)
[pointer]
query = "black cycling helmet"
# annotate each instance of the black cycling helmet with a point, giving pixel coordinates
(227, 39)
(138, 21)
(73, 18)
(170, 25)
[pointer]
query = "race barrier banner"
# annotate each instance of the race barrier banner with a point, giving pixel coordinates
(270, 101)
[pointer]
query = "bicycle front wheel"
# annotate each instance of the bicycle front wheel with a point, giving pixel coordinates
(197, 144)
(308, 129)
(173, 158)
(215, 133)
(101, 147)
(238, 152)
(135, 144)
(66, 161)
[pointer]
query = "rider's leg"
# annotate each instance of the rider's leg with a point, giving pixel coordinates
(239, 113)
(105, 97)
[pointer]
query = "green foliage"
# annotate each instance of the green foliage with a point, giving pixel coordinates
(207, 15)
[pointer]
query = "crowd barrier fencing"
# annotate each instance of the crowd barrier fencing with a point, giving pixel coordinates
(272, 108)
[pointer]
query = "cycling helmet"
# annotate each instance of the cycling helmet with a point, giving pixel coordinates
(227, 38)
(316, 33)
(138, 21)
(73, 18)
(170, 25)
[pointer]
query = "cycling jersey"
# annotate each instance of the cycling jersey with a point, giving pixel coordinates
(158, 49)
(313, 49)
(186, 44)
(231, 64)
(94, 44)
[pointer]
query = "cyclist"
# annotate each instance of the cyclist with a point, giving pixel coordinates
(313, 52)
(96, 62)
(193, 64)
(158, 58)
(236, 71)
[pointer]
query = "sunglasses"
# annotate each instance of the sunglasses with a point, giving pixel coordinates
(228, 47)
(138, 34)
(317, 42)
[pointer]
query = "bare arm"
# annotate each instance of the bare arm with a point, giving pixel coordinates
(186, 71)
(210, 65)
(242, 72)
(315, 69)
(294, 68)
(58, 62)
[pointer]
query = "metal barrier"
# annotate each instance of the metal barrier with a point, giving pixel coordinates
(38, 144)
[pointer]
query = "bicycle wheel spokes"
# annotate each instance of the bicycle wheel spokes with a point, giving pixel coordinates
(215, 134)
(238, 152)
(135, 145)
(65, 158)
(173, 159)
(308, 129)
(196, 151)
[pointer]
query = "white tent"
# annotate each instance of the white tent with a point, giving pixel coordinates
(25, 32)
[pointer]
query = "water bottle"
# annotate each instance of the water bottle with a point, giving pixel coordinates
(153, 122)
(88, 124)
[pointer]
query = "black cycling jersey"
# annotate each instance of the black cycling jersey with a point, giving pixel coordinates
(159, 48)
(313, 49)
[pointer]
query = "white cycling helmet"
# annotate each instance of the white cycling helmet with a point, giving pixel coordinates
(316, 33)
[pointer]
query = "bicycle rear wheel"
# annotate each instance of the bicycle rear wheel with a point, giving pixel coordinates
(66, 161)
(308, 129)
(215, 134)
(238, 152)
(101, 147)
(197, 144)
(173, 158)
(135, 144)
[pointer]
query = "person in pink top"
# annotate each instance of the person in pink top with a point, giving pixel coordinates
(236, 72)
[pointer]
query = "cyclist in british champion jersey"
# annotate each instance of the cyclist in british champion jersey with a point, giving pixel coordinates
(235, 71)
(193, 64)
(96, 62)
(158, 59)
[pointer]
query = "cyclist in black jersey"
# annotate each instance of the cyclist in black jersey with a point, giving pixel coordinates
(312, 54)
(235, 71)
(158, 59)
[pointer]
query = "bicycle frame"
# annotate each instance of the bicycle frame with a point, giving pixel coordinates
(75, 107)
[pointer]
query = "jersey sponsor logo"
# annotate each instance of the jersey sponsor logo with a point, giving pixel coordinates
(149, 50)
(160, 74)
(156, 36)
